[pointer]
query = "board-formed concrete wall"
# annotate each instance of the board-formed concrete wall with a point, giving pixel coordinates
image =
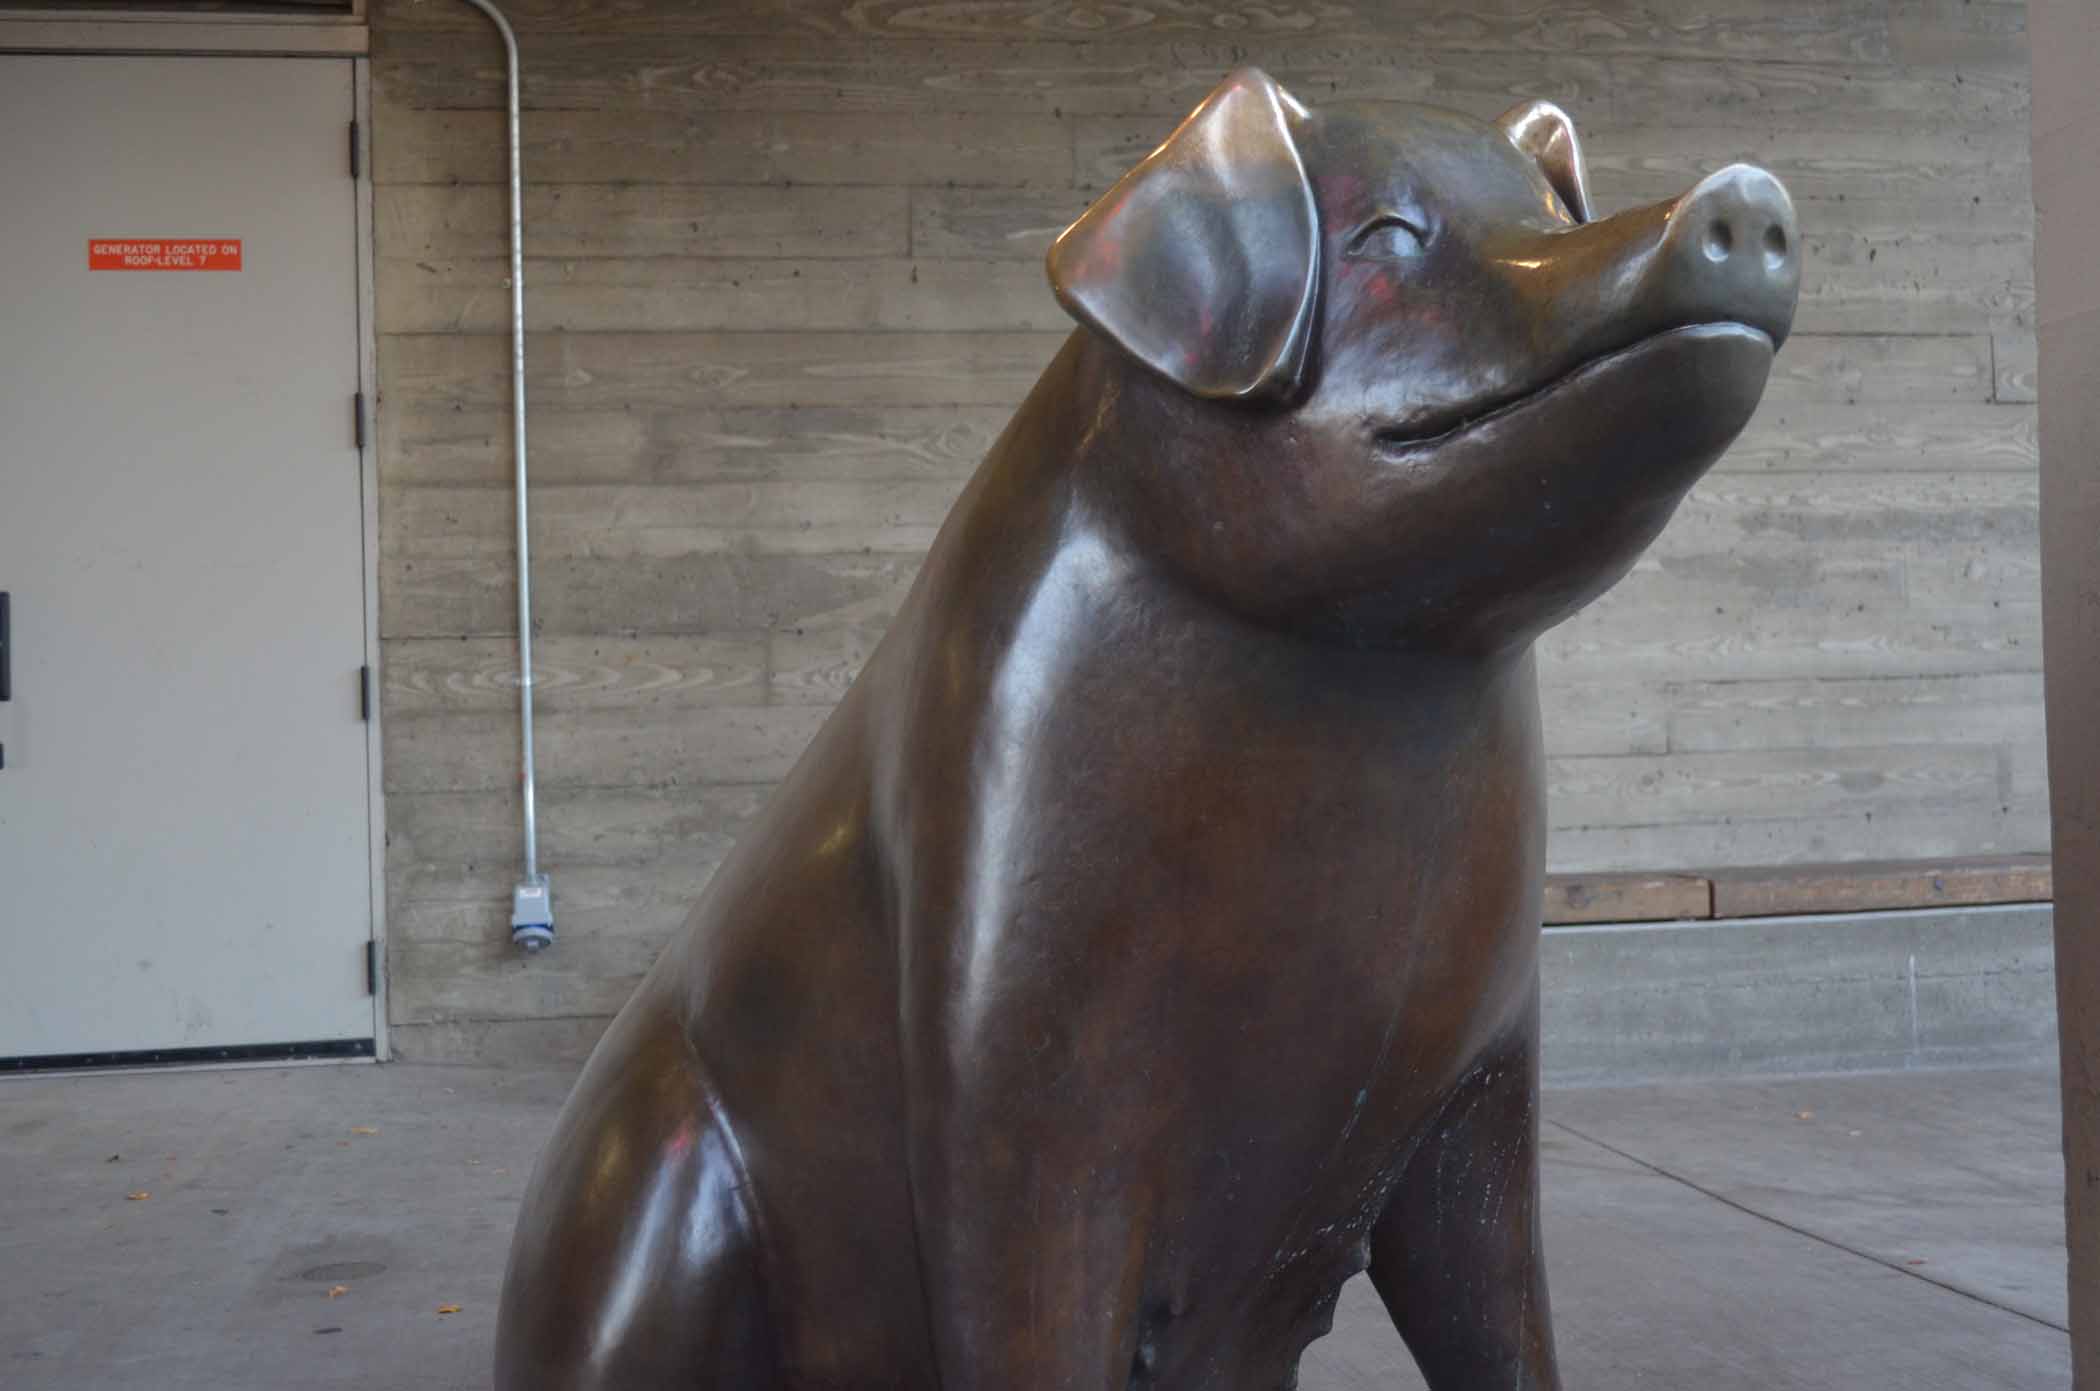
(785, 285)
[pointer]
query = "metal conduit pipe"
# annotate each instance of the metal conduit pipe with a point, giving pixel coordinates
(532, 902)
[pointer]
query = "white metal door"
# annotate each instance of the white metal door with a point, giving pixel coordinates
(184, 845)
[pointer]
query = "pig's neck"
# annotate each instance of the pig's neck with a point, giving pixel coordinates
(1029, 586)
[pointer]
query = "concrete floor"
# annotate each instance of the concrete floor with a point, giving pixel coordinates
(306, 1226)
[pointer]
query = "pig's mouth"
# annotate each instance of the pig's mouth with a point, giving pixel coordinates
(1420, 435)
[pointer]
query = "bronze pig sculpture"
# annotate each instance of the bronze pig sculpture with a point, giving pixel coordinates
(1149, 942)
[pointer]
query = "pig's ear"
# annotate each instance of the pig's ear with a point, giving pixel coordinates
(1543, 131)
(1203, 262)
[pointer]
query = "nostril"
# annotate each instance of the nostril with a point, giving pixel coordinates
(1775, 246)
(1720, 240)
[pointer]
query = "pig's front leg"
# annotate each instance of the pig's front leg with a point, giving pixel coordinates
(1456, 1254)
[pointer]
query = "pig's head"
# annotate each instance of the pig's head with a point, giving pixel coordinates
(1396, 384)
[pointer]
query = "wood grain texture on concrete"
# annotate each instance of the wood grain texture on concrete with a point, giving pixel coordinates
(784, 287)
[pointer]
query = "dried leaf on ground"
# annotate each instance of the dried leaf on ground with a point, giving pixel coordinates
(138, 1197)
(334, 1290)
(448, 1308)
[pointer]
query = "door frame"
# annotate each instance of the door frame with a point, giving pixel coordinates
(185, 34)
(368, 493)
(93, 37)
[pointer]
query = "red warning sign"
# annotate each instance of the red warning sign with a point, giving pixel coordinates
(164, 253)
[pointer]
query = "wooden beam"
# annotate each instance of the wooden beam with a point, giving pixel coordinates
(1875, 887)
(1618, 898)
(2061, 368)
(112, 31)
(1778, 890)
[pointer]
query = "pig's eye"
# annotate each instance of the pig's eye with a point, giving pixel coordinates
(1388, 237)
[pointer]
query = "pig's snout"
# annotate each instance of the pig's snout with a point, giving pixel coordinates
(1726, 251)
(1731, 250)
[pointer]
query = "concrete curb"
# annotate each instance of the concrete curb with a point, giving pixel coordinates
(1957, 987)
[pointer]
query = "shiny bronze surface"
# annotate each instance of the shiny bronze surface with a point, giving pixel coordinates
(1148, 943)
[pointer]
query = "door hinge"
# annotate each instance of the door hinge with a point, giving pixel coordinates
(357, 419)
(364, 694)
(357, 153)
(371, 966)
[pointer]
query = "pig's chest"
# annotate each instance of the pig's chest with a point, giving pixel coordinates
(1245, 948)
(1292, 940)
(1308, 936)
(1378, 988)
(1335, 892)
